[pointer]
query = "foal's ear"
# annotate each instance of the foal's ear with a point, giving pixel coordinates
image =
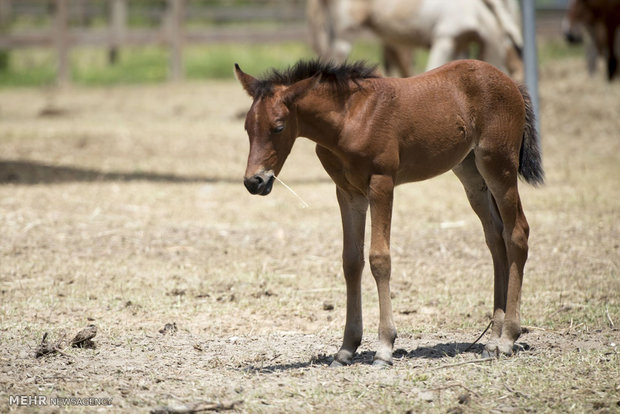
(247, 81)
(300, 88)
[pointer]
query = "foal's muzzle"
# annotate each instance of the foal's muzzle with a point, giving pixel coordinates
(260, 183)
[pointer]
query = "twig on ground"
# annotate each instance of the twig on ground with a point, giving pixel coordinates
(480, 337)
(517, 393)
(196, 407)
(46, 348)
(473, 361)
(455, 384)
(611, 323)
(63, 353)
(526, 329)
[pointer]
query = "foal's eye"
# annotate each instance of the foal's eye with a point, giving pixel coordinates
(277, 129)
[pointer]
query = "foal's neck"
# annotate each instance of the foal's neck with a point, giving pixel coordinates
(321, 114)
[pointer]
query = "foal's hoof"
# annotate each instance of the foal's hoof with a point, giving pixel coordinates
(505, 348)
(497, 349)
(490, 350)
(381, 363)
(336, 363)
(489, 354)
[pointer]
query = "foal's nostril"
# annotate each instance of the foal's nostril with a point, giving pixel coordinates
(254, 184)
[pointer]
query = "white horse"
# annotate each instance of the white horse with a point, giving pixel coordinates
(447, 27)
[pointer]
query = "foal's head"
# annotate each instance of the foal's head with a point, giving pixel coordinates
(272, 122)
(272, 127)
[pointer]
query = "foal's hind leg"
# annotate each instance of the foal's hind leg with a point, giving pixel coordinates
(498, 167)
(381, 193)
(484, 206)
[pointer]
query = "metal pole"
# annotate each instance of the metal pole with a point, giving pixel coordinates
(176, 12)
(61, 29)
(530, 54)
(118, 28)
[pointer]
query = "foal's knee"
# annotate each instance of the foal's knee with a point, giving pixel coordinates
(352, 263)
(380, 264)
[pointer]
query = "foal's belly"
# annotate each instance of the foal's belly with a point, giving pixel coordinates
(426, 157)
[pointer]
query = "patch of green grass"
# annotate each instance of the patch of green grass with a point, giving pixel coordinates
(32, 67)
(36, 67)
(556, 49)
(144, 65)
(217, 61)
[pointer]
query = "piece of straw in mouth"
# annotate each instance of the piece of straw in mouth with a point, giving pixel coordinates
(303, 202)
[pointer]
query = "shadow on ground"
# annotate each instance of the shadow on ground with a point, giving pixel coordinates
(438, 351)
(34, 172)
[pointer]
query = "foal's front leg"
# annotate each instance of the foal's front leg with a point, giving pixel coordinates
(353, 209)
(380, 196)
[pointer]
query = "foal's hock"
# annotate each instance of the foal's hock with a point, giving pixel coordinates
(373, 133)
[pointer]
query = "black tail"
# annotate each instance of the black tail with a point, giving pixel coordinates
(530, 157)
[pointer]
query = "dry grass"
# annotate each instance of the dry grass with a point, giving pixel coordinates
(123, 207)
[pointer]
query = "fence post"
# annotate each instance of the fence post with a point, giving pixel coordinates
(176, 12)
(61, 34)
(530, 55)
(118, 26)
(5, 12)
(5, 22)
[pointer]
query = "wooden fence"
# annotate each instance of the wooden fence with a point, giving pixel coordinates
(285, 19)
(169, 24)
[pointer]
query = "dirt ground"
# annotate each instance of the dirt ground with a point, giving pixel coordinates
(124, 208)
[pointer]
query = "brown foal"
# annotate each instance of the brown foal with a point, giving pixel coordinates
(373, 133)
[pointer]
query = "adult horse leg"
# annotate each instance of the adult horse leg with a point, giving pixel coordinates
(340, 50)
(398, 57)
(514, 64)
(442, 51)
(353, 209)
(329, 30)
(499, 170)
(484, 206)
(612, 59)
(495, 52)
(380, 196)
(591, 51)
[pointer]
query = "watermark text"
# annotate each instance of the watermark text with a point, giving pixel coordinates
(44, 400)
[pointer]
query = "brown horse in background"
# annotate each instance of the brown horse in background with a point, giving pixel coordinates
(374, 133)
(599, 19)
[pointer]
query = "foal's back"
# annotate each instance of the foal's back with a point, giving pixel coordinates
(474, 89)
(442, 115)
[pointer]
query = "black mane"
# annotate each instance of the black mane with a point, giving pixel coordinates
(337, 75)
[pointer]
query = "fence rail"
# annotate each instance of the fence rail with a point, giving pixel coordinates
(69, 25)
(173, 24)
